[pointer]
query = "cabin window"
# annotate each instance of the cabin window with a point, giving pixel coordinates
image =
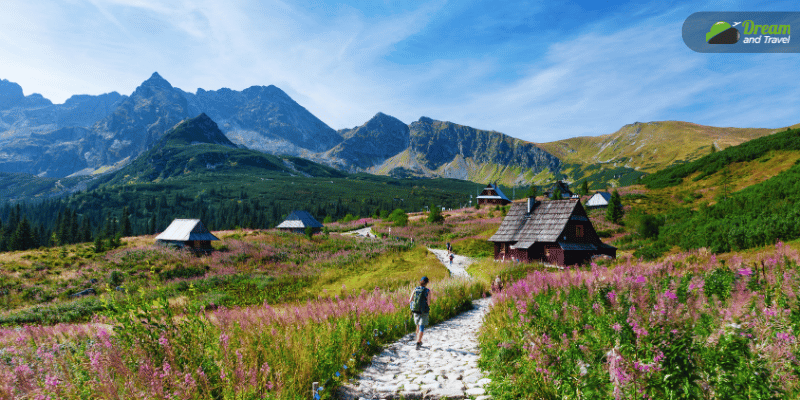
(579, 231)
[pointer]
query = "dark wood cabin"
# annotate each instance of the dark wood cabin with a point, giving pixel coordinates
(556, 232)
(492, 194)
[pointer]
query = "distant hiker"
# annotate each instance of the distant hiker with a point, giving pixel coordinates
(451, 259)
(449, 249)
(420, 308)
(498, 284)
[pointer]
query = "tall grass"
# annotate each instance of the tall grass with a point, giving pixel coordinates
(685, 327)
(147, 352)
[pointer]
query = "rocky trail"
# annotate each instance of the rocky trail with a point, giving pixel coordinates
(445, 367)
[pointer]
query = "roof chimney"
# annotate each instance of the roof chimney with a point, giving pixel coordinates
(532, 204)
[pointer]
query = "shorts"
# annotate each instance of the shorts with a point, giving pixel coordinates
(421, 320)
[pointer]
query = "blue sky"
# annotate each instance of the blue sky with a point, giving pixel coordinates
(539, 71)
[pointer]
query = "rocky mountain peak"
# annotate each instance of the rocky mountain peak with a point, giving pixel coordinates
(198, 130)
(157, 81)
(10, 94)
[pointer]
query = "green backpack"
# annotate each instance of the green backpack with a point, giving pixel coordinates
(419, 302)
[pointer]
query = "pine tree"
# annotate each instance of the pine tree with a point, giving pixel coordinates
(614, 211)
(533, 191)
(125, 221)
(556, 194)
(585, 188)
(86, 230)
(74, 228)
(23, 237)
(98, 244)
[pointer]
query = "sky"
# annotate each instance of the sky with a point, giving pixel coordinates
(539, 71)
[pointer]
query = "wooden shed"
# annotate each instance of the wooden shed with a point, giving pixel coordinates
(492, 194)
(298, 221)
(598, 200)
(556, 232)
(187, 233)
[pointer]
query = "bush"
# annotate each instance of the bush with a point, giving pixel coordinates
(182, 272)
(115, 278)
(435, 216)
(398, 217)
(648, 226)
(651, 251)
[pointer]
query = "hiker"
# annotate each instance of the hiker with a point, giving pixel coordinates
(449, 249)
(420, 308)
(451, 259)
(498, 284)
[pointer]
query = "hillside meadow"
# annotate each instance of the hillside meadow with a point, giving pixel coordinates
(262, 317)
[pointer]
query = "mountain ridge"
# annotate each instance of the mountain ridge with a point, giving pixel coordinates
(96, 134)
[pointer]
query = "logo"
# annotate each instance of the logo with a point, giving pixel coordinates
(722, 33)
(741, 32)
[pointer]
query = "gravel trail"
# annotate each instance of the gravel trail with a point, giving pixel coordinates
(445, 367)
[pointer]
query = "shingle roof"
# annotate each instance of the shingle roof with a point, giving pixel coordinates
(496, 189)
(599, 199)
(185, 230)
(298, 220)
(544, 224)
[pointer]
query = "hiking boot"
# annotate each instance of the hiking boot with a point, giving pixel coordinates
(419, 345)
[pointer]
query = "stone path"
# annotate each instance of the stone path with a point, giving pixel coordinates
(366, 232)
(445, 367)
(460, 263)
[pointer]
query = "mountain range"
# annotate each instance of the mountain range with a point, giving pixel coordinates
(95, 134)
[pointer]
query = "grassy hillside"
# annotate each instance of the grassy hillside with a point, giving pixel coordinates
(623, 157)
(742, 197)
(751, 150)
(650, 146)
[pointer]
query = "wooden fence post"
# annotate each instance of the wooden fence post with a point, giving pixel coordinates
(314, 389)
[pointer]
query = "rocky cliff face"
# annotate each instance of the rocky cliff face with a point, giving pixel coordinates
(264, 118)
(370, 144)
(138, 122)
(384, 145)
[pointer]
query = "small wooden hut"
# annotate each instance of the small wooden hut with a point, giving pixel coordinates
(598, 200)
(492, 194)
(298, 221)
(187, 233)
(556, 232)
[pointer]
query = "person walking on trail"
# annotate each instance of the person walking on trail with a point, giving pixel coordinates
(452, 256)
(420, 308)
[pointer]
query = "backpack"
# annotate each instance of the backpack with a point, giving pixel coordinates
(419, 304)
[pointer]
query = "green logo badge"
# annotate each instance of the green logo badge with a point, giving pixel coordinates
(722, 33)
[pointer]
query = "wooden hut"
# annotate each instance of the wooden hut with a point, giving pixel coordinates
(492, 194)
(562, 186)
(598, 200)
(186, 233)
(298, 221)
(556, 232)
